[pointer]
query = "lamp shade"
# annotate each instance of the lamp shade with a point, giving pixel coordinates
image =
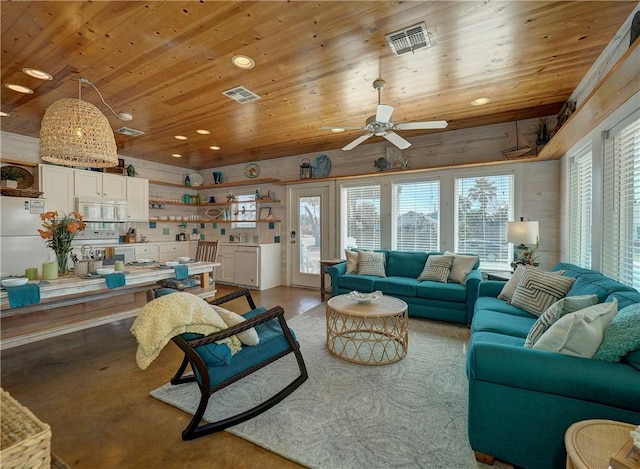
(522, 232)
(75, 133)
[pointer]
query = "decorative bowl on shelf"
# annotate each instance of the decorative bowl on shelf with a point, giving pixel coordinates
(171, 263)
(184, 259)
(14, 282)
(105, 271)
(364, 297)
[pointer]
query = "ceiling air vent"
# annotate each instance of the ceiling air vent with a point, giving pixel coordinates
(409, 39)
(241, 94)
(129, 132)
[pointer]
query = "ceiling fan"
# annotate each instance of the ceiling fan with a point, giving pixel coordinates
(381, 125)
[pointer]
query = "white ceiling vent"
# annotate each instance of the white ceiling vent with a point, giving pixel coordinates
(409, 39)
(241, 94)
(129, 132)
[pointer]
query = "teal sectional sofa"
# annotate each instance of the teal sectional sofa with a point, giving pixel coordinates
(443, 301)
(522, 400)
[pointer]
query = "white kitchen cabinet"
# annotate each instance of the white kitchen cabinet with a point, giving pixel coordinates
(137, 199)
(100, 185)
(250, 266)
(168, 252)
(145, 251)
(57, 184)
(226, 271)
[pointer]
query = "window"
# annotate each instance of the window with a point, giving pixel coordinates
(484, 205)
(580, 196)
(621, 188)
(415, 217)
(361, 217)
(243, 211)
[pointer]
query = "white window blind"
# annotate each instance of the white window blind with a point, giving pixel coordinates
(361, 207)
(415, 216)
(621, 237)
(580, 196)
(484, 205)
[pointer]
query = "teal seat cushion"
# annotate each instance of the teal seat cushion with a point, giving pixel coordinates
(405, 263)
(363, 283)
(496, 304)
(441, 291)
(492, 321)
(397, 286)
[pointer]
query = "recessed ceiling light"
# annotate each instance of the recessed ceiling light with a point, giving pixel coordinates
(214, 147)
(177, 155)
(4, 114)
(39, 74)
(203, 132)
(180, 137)
(481, 101)
(337, 130)
(242, 61)
(19, 88)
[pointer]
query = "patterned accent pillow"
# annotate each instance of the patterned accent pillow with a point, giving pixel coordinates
(371, 263)
(462, 266)
(569, 304)
(437, 268)
(537, 290)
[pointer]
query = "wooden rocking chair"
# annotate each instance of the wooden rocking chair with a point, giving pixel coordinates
(276, 341)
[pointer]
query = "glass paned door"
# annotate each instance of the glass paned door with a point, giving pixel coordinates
(310, 239)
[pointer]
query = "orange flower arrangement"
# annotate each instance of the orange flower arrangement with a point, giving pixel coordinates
(59, 233)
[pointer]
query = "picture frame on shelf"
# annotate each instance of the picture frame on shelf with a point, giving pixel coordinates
(265, 212)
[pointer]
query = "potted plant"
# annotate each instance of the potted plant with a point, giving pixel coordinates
(9, 177)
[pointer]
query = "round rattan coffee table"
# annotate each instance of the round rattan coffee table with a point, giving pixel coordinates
(373, 333)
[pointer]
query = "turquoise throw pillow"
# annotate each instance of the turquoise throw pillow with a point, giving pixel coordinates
(622, 336)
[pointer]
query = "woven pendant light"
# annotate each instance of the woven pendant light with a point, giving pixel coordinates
(75, 133)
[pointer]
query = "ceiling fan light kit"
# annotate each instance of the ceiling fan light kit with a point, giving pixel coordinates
(381, 125)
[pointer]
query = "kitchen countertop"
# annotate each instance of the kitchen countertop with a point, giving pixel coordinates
(71, 285)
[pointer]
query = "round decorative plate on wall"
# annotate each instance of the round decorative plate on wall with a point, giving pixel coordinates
(321, 166)
(196, 179)
(252, 171)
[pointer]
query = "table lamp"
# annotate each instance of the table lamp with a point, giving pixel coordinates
(523, 234)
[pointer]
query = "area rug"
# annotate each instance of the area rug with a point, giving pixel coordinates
(410, 414)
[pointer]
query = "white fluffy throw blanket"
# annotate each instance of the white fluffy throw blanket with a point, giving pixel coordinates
(171, 315)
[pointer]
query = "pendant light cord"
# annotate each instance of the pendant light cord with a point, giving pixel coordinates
(122, 116)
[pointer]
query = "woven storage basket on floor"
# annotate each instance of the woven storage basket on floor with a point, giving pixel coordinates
(26, 441)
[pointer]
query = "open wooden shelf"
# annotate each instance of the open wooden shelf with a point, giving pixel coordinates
(248, 182)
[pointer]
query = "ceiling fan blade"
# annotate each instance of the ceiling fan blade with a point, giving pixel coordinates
(383, 114)
(397, 140)
(421, 125)
(357, 141)
(344, 127)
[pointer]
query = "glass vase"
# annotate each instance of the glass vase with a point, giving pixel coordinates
(63, 261)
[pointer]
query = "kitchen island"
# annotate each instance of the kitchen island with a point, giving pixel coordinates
(70, 303)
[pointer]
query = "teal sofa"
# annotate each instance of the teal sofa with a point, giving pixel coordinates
(521, 400)
(452, 302)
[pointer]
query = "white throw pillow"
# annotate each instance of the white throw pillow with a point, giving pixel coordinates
(248, 337)
(352, 261)
(437, 268)
(579, 334)
(507, 291)
(566, 305)
(462, 265)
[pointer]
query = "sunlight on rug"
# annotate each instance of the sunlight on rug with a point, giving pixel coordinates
(408, 414)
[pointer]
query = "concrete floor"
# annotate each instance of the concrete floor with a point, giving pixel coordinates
(88, 388)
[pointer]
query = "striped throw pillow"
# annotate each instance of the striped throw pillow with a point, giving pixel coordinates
(371, 263)
(569, 304)
(437, 268)
(537, 290)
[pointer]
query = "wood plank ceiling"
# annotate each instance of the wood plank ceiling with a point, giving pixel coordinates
(167, 64)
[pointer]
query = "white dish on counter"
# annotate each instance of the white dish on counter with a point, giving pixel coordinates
(14, 282)
(184, 259)
(171, 263)
(105, 271)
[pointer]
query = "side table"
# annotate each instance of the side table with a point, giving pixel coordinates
(326, 263)
(591, 443)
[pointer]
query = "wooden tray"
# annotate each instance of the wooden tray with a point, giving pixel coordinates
(21, 193)
(24, 177)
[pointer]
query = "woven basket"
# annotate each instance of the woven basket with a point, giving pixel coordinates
(26, 441)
